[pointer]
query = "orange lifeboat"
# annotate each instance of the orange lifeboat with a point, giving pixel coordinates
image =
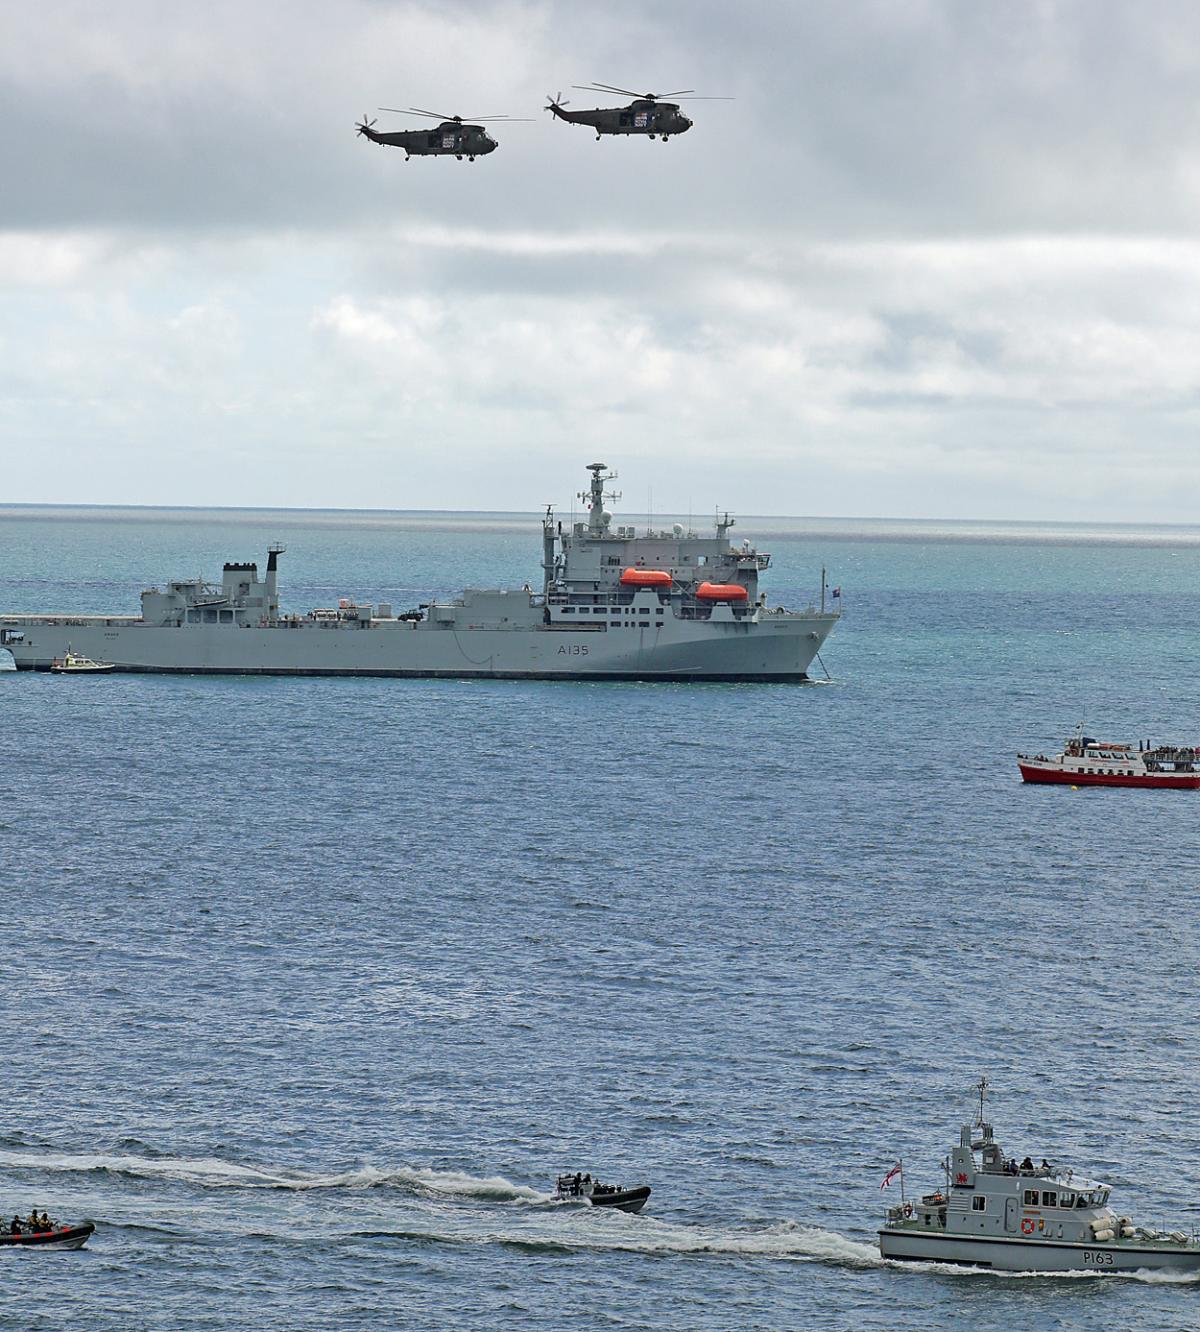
(646, 578)
(722, 592)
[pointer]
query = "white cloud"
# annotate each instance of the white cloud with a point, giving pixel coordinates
(935, 255)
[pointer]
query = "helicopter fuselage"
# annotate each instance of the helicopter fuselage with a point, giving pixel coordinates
(639, 117)
(445, 140)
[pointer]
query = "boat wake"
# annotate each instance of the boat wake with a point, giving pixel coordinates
(787, 1240)
(211, 1172)
(539, 1225)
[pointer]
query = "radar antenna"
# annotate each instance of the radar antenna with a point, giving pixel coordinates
(595, 495)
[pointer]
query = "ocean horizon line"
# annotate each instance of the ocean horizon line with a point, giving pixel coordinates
(17, 507)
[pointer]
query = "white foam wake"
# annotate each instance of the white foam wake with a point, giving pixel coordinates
(211, 1172)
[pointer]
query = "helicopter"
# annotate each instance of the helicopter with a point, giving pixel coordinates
(456, 135)
(647, 114)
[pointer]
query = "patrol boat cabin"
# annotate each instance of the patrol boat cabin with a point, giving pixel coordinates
(996, 1212)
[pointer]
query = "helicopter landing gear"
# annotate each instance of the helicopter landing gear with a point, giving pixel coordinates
(458, 157)
(597, 138)
(664, 138)
(471, 158)
(652, 136)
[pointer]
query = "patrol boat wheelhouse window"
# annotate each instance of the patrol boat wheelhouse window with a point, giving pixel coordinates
(979, 1203)
(1031, 1197)
(1049, 1199)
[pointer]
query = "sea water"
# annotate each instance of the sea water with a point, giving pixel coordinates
(311, 986)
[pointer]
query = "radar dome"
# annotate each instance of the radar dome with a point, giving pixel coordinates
(677, 528)
(605, 518)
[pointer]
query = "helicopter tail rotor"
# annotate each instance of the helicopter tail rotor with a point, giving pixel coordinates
(365, 126)
(555, 102)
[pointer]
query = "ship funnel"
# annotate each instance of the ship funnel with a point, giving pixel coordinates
(274, 551)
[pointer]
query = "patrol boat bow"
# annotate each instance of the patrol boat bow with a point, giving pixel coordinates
(614, 605)
(1025, 1218)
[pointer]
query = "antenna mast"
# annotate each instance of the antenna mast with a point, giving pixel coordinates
(595, 495)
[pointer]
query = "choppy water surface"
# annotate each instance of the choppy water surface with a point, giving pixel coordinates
(312, 985)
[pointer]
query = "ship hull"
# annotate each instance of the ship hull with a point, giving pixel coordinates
(777, 648)
(1019, 1255)
(1060, 776)
(65, 1237)
(626, 1200)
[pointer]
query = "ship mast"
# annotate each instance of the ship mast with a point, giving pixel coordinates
(595, 496)
(548, 549)
(981, 1123)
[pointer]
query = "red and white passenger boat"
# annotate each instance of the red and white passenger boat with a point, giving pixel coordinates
(1088, 762)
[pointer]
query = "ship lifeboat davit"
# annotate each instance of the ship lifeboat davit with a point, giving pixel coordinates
(646, 578)
(722, 592)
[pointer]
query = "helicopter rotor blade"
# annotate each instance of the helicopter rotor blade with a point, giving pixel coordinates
(610, 87)
(414, 111)
(681, 93)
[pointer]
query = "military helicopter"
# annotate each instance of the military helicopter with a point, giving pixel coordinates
(455, 135)
(648, 113)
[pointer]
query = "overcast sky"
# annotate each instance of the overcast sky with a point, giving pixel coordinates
(936, 259)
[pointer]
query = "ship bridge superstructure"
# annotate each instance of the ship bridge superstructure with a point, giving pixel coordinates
(597, 565)
(240, 598)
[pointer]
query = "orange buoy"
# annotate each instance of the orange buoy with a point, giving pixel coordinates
(722, 592)
(646, 578)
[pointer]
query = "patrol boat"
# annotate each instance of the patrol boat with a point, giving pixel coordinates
(666, 605)
(1025, 1218)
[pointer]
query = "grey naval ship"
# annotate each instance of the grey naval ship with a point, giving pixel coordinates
(666, 605)
(1018, 1217)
